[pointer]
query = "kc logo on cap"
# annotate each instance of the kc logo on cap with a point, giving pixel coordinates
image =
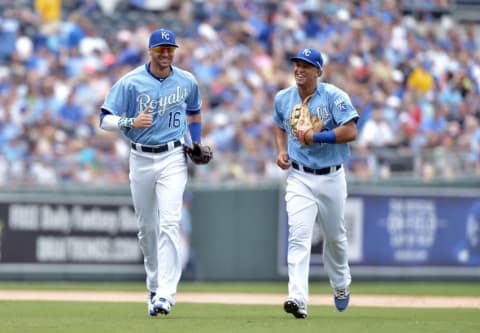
(165, 35)
(307, 52)
(310, 55)
(162, 37)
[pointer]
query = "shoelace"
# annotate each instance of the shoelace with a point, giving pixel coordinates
(341, 293)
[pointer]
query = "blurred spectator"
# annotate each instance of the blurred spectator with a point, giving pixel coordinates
(410, 63)
(377, 132)
(469, 143)
(420, 78)
(71, 114)
(151, 4)
(49, 10)
(9, 27)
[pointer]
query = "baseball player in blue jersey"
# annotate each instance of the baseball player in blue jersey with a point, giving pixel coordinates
(316, 189)
(154, 105)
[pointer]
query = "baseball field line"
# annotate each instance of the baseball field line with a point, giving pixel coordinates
(401, 301)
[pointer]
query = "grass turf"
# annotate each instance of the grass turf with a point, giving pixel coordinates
(86, 317)
(91, 317)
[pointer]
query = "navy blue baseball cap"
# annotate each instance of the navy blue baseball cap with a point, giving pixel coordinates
(162, 37)
(310, 55)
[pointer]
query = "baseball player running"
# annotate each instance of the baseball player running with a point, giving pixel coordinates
(314, 123)
(153, 105)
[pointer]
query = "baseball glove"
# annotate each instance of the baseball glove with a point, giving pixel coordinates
(199, 154)
(302, 121)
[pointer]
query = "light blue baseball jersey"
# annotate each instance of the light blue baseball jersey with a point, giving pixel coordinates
(329, 103)
(169, 100)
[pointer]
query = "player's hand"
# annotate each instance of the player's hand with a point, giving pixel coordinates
(306, 137)
(283, 160)
(144, 119)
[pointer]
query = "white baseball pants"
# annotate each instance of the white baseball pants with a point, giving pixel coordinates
(157, 183)
(311, 198)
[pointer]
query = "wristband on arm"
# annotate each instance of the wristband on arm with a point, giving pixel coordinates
(325, 137)
(125, 123)
(195, 129)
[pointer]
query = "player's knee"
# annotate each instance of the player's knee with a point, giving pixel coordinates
(146, 226)
(145, 230)
(337, 242)
(300, 235)
(170, 225)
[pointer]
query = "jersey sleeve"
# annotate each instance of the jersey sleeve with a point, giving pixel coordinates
(194, 100)
(342, 108)
(278, 116)
(116, 101)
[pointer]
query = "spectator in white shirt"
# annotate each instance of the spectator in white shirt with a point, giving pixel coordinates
(376, 132)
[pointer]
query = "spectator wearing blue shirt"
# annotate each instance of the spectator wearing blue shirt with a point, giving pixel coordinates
(71, 113)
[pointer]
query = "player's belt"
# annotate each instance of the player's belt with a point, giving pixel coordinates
(322, 171)
(157, 149)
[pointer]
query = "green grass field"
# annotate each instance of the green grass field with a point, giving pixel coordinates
(91, 317)
(428, 288)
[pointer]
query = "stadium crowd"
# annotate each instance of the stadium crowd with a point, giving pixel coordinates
(413, 78)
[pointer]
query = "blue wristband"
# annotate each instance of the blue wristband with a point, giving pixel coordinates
(325, 137)
(195, 131)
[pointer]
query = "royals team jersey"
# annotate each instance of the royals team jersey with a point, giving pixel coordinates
(330, 104)
(169, 102)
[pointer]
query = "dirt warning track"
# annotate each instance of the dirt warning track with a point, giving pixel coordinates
(388, 301)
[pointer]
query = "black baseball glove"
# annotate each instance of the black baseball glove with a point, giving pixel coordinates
(199, 154)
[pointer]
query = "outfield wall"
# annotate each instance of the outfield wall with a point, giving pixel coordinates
(239, 233)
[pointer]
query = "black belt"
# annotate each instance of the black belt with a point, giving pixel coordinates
(322, 171)
(155, 149)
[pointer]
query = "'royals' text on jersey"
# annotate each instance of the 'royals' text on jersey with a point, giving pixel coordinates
(329, 103)
(168, 101)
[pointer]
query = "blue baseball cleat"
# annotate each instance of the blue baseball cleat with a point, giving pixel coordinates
(341, 298)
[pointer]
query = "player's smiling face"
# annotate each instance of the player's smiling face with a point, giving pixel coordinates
(305, 73)
(162, 56)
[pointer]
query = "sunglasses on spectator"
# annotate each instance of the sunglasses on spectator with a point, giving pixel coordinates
(161, 49)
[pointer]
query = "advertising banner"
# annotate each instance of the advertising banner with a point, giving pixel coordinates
(429, 232)
(40, 233)
(421, 231)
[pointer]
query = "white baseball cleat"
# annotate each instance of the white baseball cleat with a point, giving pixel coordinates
(151, 310)
(161, 305)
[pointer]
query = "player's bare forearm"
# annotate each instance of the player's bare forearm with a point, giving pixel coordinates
(283, 160)
(346, 132)
(196, 118)
(280, 138)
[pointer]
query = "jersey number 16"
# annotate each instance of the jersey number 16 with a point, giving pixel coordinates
(174, 119)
